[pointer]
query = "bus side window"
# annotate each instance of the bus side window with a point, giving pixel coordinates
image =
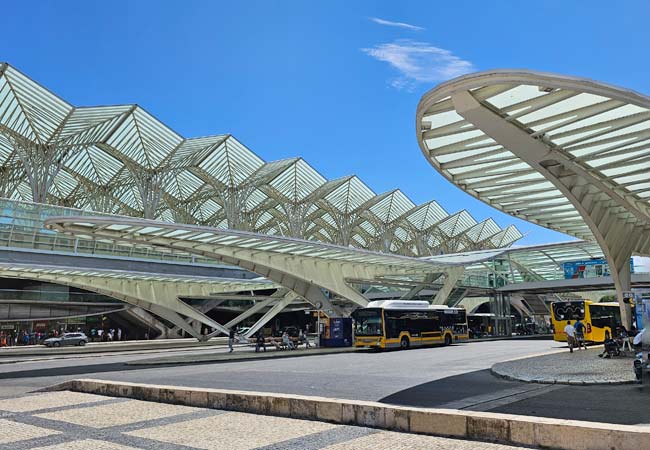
(603, 316)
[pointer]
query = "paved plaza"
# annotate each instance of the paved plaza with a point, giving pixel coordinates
(71, 420)
(456, 377)
(579, 367)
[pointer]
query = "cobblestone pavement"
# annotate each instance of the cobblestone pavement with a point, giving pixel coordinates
(579, 367)
(76, 421)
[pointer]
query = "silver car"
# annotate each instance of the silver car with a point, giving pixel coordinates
(67, 339)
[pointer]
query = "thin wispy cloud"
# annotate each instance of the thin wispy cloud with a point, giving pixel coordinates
(419, 62)
(390, 23)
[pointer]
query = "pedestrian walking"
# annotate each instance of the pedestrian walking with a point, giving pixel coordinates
(570, 335)
(231, 339)
(119, 334)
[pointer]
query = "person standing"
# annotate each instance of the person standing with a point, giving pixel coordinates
(286, 340)
(303, 339)
(119, 334)
(579, 328)
(231, 339)
(260, 341)
(570, 335)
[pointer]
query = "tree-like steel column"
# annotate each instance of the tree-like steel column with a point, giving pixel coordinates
(41, 163)
(11, 174)
(150, 184)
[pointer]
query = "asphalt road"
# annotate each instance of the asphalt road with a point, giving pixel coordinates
(449, 377)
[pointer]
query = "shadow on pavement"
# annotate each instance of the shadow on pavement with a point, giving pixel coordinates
(69, 370)
(627, 404)
(445, 390)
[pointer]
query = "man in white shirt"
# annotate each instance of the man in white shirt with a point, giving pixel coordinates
(570, 335)
(639, 338)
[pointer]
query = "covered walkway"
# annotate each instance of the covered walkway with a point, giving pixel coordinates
(155, 293)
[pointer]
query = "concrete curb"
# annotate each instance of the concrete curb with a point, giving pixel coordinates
(506, 428)
(507, 375)
(524, 379)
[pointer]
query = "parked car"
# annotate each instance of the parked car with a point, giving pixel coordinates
(67, 339)
(243, 330)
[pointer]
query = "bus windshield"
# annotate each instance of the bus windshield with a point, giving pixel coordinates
(569, 310)
(367, 322)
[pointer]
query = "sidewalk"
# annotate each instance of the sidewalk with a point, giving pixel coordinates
(78, 421)
(582, 367)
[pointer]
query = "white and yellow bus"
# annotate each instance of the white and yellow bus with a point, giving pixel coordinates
(408, 323)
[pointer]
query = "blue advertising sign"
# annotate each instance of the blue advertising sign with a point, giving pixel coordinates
(642, 312)
(588, 268)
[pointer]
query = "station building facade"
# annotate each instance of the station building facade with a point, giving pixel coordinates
(57, 159)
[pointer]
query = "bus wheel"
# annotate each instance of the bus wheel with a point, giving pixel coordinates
(447, 339)
(404, 343)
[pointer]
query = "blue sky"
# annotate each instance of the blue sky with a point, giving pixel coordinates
(335, 82)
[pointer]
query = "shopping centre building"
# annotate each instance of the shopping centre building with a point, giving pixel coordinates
(110, 218)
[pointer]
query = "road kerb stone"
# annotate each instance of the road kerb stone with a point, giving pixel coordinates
(511, 429)
(525, 379)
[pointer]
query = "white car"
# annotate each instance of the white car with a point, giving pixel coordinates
(67, 339)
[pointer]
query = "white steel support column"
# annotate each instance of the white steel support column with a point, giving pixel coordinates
(274, 311)
(257, 307)
(453, 275)
(428, 279)
(204, 308)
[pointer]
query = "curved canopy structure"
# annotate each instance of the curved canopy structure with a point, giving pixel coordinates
(304, 267)
(566, 153)
(122, 160)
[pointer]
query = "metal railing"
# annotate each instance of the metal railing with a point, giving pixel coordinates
(53, 296)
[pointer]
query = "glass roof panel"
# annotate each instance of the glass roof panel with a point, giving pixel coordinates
(349, 196)
(231, 163)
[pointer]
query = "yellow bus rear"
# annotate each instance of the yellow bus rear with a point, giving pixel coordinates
(596, 317)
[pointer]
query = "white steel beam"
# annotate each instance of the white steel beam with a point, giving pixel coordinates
(274, 311)
(452, 276)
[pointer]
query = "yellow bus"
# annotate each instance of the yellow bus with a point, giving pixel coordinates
(597, 318)
(408, 323)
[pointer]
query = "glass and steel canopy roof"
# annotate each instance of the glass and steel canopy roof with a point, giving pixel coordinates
(603, 131)
(542, 261)
(228, 284)
(143, 232)
(123, 160)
